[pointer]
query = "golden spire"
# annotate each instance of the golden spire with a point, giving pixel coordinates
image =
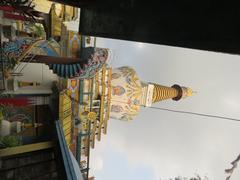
(175, 92)
(162, 92)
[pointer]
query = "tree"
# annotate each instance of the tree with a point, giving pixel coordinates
(38, 31)
(196, 177)
(26, 11)
(234, 166)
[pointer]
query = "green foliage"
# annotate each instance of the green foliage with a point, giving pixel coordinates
(38, 31)
(9, 66)
(9, 141)
(2, 113)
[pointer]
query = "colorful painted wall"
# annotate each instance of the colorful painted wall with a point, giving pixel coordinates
(126, 94)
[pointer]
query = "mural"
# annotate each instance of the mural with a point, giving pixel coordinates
(20, 47)
(96, 57)
(116, 108)
(132, 111)
(45, 47)
(72, 85)
(134, 88)
(74, 45)
(116, 76)
(118, 90)
(126, 94)
(16, 51)
(13, 52)
(126, 71)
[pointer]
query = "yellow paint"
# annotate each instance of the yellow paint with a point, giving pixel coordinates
(67, 131)
(99, 131)
(102, 102)
(68, 13)
(65, 115)
(93, 134)
(102, 80)
(26, 148)
(56, 23)
(68, 137)
(59, 9)
(109, 100)
(77, 97)
(84, 125)
(92, 116)
(42, 5)
(67, 121)
(66, 127)
(19, 25)
(189, 92)
(162, 92)
(97, 83)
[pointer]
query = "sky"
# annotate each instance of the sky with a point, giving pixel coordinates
(160, 145)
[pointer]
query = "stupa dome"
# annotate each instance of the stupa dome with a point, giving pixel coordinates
(126, 94)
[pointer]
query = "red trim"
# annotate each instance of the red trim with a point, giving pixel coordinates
(15, 17)
(18, 101)
(7, 8)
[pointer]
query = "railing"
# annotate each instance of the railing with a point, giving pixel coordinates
(67, 160)
(85, 170)
(65, 116)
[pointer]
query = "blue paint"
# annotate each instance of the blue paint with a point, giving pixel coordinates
(62, 70)
(71, 70)
(54, 68)
(68, 164)
(66, 71)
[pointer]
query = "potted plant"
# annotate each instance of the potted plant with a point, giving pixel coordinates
(9, 141)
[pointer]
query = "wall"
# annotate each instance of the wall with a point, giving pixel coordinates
(36, 72)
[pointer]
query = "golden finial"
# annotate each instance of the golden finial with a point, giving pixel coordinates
(187, 92)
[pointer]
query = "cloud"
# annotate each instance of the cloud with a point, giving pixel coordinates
(177, 150)
(96, 156)
(174, 144)
(231, 102)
